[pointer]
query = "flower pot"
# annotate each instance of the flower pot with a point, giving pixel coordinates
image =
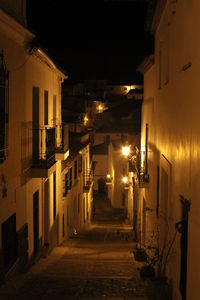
(147, 272)
(140, 254)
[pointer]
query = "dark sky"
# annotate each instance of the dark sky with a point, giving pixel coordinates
(102, 39)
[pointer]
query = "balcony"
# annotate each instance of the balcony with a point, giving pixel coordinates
(87, 181)
(62, 141)
(144, 178)
(43, 147)
(139, 165)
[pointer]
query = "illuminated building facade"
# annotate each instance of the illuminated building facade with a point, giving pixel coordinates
(34, 150)
(170, 135)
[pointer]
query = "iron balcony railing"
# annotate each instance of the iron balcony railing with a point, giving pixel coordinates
(62, 138)
(139, 165)
(43, 147)
(87, 180)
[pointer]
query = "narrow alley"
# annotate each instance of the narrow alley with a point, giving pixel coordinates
(95, 264)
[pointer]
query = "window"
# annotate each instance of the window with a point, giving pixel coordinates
(46, 108)
(66, 183)
(84, 211)
(54, 110)
(80, 163)
(79, 203)
(75, 169)
(63, 225)
(158, 190)
(68, 215)
(160, 66)
(167, 60)
(54, 195)
(146, 149)
(70, 177)
(3, 109)
(164, 192)
(35, 117)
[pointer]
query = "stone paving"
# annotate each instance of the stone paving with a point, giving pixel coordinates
(97, 264)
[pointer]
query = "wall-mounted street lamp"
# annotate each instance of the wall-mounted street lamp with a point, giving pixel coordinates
(125, 182)
(126, 151)
(138, 162)
(100, 108)
(85, 120)
(109, 179)
(125, 179)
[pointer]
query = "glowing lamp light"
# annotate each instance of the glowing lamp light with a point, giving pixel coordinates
(108, 179)
(125, 180)
(100, 108)
(125, 150)
(128, 88)
(85, 120)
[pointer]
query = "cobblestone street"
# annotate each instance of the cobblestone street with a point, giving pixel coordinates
(97, 264)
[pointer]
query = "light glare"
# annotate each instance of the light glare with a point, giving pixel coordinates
(125, 179)
(125, 150)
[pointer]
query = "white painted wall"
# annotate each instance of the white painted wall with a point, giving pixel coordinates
(171, 107)
(25, 71)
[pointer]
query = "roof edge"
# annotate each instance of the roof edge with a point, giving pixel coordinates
(41, 55)
(154, 14)
(146, 64)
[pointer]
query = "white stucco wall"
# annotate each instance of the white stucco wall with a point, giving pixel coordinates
(171, 110)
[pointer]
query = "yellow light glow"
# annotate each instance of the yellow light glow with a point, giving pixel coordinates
(126, 150)
(128, 88)
(108, 176)
(142, 158)
(85, 120)
(100, 108)
(125, 179)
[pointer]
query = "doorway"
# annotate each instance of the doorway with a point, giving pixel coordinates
(9, 242)
(184, 247)
(36, 222)
(46, 212)
(144, 222)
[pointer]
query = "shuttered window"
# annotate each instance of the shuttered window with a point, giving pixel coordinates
(46, 108)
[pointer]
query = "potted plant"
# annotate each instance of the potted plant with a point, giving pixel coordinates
(148, 269)
(140, 254)
(158, 287)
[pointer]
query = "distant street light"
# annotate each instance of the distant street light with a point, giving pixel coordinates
(126, 151)
(85, 120)
(100, 108)
(109, 179)
(125, 179)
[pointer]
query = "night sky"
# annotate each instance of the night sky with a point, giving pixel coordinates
(93, 40)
